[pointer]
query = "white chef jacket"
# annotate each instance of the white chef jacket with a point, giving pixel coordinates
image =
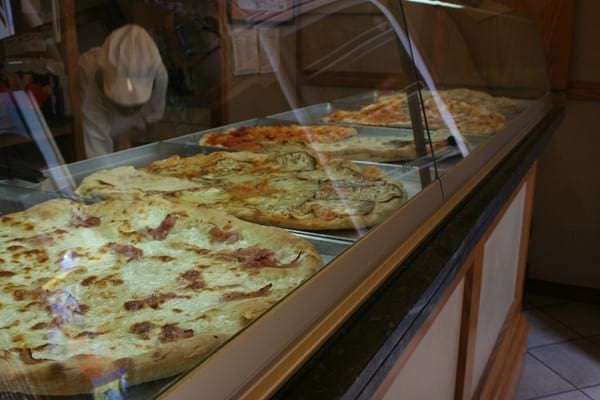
(101, 120)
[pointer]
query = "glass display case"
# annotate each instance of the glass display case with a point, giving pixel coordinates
(340, 128)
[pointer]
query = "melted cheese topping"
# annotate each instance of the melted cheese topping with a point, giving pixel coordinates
(109, 278)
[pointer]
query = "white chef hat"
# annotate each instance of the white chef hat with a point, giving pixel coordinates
(129, 63)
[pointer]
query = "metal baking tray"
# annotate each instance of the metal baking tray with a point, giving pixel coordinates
(66, 178)
(72, 174)
(193, 138)
(406, 173)
(364, 131)
(314, 115)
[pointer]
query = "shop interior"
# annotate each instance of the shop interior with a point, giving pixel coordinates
(228, 66)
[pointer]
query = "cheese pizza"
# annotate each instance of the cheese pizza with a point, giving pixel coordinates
(330, 140)
(137, 290)
(286, 189)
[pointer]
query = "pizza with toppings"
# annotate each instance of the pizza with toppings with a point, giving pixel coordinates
(330, 140)
(270, 137)
(389, 110)
(286, 189)
(387, 148)
(473, 112)
(137, 290)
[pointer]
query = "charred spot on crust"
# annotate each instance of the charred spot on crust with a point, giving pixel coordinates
(164, 258)
(89, 280)
(133, 305)
(195, 285)
(171, 333)
(191, 275)
(89, 334)
(40, 325)
(153, 301)
(142, 329)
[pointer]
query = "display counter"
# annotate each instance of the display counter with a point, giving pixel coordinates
(376, 346)
(361, 198)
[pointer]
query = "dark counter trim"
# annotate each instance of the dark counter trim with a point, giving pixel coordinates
(355, 360)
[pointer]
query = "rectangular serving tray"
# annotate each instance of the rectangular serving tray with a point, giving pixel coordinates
(193, 138)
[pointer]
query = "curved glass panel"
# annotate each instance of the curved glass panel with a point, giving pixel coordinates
(477, 83)
(171, 171)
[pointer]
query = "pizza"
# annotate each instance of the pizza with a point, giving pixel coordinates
(503, 105)
(286, 189)
(131, 290)
(473, 112)
(330, 140)
(389, 110)
(271, 137)
(378, 148)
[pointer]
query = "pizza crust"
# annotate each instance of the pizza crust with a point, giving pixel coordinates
(85, 372)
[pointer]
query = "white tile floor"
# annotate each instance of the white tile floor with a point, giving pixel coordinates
(562, 360)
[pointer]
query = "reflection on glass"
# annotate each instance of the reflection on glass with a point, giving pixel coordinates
(476, 81)
(319, 122)
(7, 25)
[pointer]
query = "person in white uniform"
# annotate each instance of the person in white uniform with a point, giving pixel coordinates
(124, 86)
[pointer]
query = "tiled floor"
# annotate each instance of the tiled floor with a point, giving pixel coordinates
(562, 360)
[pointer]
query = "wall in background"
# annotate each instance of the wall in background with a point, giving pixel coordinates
(566, 217)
